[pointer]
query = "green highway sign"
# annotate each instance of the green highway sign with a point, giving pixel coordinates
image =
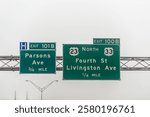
(37, 58)
(91, 62)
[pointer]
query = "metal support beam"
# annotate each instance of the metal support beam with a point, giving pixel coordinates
(11, 63)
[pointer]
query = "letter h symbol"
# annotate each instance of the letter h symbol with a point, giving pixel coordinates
(23, 45)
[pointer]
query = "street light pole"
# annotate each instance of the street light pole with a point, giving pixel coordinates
(41, 89)
(41, 95)
(15, 97)
(26, 95)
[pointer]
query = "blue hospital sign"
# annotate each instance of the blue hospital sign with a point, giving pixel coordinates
(23, 45)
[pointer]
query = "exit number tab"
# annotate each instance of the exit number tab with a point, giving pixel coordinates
(42, 45)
